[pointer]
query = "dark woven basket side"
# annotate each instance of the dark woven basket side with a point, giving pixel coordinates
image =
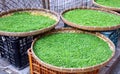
(106, 7)
(90, 28)
(38, 66)
(35, 32)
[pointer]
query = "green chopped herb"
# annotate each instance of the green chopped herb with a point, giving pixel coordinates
(72, 50)
(111, 3)
(24, 22)
(92, 18)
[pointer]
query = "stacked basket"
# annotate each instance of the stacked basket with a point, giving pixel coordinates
(113, 6)
(38, 65)
(108, 31)
(14, 43)
(109, 5)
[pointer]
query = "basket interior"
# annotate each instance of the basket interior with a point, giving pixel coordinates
(90, 18)
(26, 21)
(111, 3)
(72, 50)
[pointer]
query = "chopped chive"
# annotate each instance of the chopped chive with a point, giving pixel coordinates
(72, 50)
(24, 22)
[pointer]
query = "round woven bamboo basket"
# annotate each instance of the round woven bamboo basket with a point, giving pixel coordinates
(50, 14)
(90, 28)
(37, 66)
(106, 7)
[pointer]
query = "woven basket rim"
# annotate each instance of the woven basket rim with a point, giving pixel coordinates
(106, 7)
(90, 28)
(74, 70)
(34, 32)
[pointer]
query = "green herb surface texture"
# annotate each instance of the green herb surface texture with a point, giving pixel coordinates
(92, 18)
(24, 22)
(72, 50)
(111, 3)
